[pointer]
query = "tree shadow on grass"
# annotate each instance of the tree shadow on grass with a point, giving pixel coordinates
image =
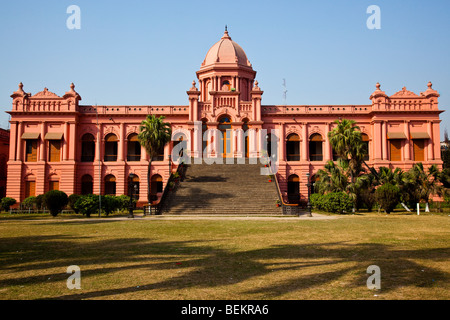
(210, 266)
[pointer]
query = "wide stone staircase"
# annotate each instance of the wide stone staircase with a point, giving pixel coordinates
(223, 189)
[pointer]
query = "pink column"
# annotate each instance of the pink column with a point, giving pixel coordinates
(66, 142)
(12, 141)
(42, 156)
(305, 140)
(407, 142)
(384, 140)
(282, 146)
(73, 141)
(98, 145)
(121, 142)
(327, 144)
(436, 137)
(19, 142)
(430, 141)
(377, 138)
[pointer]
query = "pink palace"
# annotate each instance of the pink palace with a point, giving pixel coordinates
(58, 143)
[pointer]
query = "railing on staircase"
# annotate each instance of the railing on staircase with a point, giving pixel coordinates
(156, 207)
(288, 208)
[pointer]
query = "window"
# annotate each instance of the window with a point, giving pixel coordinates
(396, 149)
(134, 184)
(315, 147)
(54, 150)
(156, 187)
(110, 185)
(365, 141)
(160, 156)
(30, 188)
(87, 148)
(111, 147)
(31, 150)
(179, 145)
(293, 147)
(134, 148)
(87, 185)
(293, 189)
(204, 139)
(53, 185)
(419, 147)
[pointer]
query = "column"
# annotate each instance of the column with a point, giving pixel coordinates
(305, 140)
(42, 142)
(13, 141)
(407, 142)
(120, 147)
(19, 142)
(327, 152)
(66, 142)
(384, 140)
(99, 143)
(73, 141)
(430, 153)
(377, 141)
(282, 146)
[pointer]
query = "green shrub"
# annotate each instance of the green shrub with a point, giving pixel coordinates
(40, 202)
(337, 202)
(29, 203)
(124, 202)
(73, 198)
(387, 196)
(6, 203)
(55, 201)
(87, 204)
(316, 201)
(110, 203)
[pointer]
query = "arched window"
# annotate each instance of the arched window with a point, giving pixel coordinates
(87, 148)
(111, 147)
(133, 186)
(133, 148)
(293, 147)
(180, 144)
(225, 128)
(245, 128)
(53, 183)
(315, 147)
(110, 185)
(87, 184)
(293, 189)
(156, 186)
(226, 86)
(204, 138)
(365, 141)
(30, 186)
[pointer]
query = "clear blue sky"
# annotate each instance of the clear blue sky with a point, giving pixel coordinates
(138, 52)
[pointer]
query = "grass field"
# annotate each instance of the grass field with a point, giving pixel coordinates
(285, 258)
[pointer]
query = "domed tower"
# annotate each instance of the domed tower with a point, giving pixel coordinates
(226, 69)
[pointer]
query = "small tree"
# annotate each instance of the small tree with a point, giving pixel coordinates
(109, 204)
(6, 203)
(55, 201)
(124, 202)
(387, 197)
(87, 204)
(40, 202)
(29, 203)
(73, 198)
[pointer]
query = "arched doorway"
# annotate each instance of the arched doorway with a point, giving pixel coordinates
(225, 129)
(87, 184)
(133, 186)
(293, 188)
(245, 128)
(110, 185)
(156, 187)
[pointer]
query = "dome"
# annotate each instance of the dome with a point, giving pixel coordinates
(226, 51)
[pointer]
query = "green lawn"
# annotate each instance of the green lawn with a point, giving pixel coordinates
(287, 258)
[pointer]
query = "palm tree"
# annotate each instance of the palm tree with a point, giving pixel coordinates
(153, 136)
(427, 183)
(333, 178)
(346, 140)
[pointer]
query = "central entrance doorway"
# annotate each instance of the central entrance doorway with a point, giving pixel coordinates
(225, 129)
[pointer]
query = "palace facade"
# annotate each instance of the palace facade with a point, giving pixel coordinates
(58, 143)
